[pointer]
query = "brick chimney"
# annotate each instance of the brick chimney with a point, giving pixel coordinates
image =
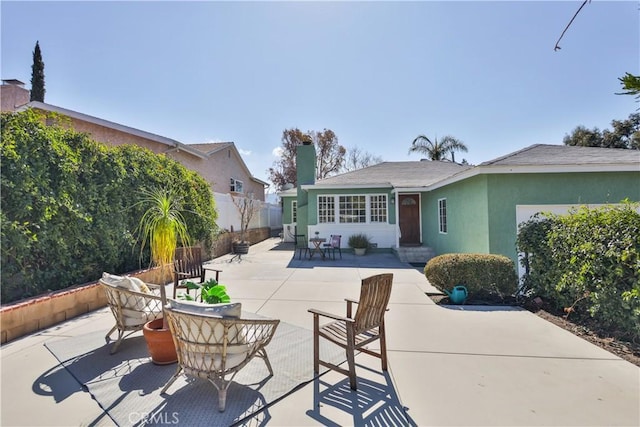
(13, 95)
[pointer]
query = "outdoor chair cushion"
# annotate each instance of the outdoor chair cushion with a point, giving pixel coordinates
(129, 283)
(221, 310)
(139, 317)
(231, 310)
(206, 358)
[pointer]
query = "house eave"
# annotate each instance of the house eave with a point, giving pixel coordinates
(522, 169)
(173, 144)
(259, 181)
(533, 169)
(307, 187)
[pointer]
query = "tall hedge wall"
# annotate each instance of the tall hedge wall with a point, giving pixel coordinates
(69, 205)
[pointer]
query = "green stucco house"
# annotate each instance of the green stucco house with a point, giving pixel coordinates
(426, 208)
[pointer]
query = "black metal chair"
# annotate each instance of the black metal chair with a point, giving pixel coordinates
(302, 245)
(333, 245)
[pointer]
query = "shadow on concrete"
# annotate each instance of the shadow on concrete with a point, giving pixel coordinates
(284, 246)
(349, 260)
(373, 404)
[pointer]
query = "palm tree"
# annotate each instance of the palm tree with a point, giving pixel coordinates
(161, 227)
(438, 150)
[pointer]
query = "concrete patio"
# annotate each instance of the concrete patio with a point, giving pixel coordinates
(472, 366)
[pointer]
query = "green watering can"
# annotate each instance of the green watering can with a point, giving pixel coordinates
(458, 294)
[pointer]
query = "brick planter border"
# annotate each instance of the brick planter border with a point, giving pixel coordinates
(37, 313)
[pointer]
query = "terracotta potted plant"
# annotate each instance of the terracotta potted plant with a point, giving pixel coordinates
(161, 226)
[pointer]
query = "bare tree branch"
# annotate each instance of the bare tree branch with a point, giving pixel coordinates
(557, 47)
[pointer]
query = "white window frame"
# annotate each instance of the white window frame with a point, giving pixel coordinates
(323, 216)
(355, 208)
(442, 216)
(235, 183)
(326, 213)
(380, 211)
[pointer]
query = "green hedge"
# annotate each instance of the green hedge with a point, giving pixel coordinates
(486, 277)
(69, 205)
(587, 262)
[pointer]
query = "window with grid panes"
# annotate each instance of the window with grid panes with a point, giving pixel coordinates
(378, 208)
(294, 211)
(353, 209)
(326, 209)
(442, 215)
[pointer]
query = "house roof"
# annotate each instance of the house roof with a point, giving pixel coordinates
(546, 158)
(211, 148)
(112, 125)
(202, 151)
(15, 82)
(429, 175)
(544, 154)
(394, 175)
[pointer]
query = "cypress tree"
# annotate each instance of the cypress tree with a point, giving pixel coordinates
(37, 75)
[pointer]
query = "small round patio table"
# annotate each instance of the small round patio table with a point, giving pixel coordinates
(317, 241)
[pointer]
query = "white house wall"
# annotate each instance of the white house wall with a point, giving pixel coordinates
(382, 235)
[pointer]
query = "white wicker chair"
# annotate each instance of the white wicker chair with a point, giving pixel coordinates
(131, 308)
(213, 347)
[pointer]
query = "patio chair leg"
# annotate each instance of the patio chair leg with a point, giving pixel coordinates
(116, 345)
(222, 391)
(383, 346)
(351, 362)
(222, 399)
(107, 337)
(263, 354)
(171, 380)
(316, 344)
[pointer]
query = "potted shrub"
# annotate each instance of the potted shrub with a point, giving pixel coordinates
(161, 226)
(247, 207)
(359, 242)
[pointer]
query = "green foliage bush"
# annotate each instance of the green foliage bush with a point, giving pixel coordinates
(486, 277)
(69, 209)
(589, 262)
(359, 240)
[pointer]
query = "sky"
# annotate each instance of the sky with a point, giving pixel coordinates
(376, 73)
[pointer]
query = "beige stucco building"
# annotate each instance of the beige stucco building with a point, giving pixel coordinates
(219, 163)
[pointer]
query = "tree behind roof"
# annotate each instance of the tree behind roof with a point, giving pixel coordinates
(330, 156)
(37, 75)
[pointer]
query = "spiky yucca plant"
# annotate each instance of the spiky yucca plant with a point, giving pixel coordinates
(161, 226)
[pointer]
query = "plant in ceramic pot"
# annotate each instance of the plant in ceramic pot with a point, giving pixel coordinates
(161, 226)
(359, 242)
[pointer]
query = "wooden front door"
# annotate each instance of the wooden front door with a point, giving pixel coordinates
(409, 214)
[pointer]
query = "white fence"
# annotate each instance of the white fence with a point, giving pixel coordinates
(270, 215)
